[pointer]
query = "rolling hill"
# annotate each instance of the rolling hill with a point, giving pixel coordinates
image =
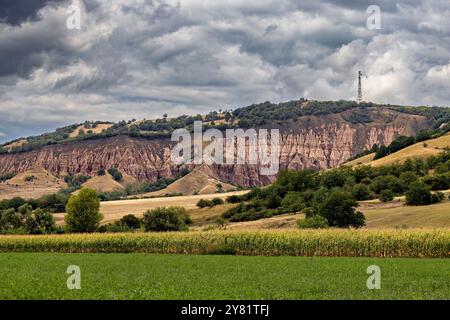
(314, 134)
(30, 184)
(419, 150)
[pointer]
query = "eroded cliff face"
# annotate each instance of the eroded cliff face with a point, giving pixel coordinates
(308, 142)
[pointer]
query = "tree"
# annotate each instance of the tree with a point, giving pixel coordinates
(408, 177)
(333, 178)
(83, 213)
(166, 219)
(338, 207)
(361, 192)
(418, 194)
(202, 203)
(116, 174)
(131, 221)
(217, 201)
(293, 202)
(386, 195)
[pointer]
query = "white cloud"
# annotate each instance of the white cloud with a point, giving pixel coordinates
(139, 58)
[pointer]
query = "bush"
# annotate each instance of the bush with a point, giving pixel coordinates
(83, 213)
(217, 201)
(202, 203)
(116, 174)
(361, 192)
(338, 208)
(293, 201)
(314, 222)
(233, 199)
(131, 221)
(101, 172)
(437, 197)
(26, 221)
(6, 176)
(75, 181)
(166, 219)
(386, 195)
(418, 194)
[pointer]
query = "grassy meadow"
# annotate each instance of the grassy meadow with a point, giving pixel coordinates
(150, 276)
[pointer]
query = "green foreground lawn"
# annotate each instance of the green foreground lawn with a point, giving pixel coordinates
(150, 276)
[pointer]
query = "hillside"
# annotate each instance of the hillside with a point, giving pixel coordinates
(422, 150)
(314, 134)
(104, 183)
(317, 135)
(199, 181)
(32, 183)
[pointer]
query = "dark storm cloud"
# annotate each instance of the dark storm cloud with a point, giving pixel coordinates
(14, 12)
(137, 58)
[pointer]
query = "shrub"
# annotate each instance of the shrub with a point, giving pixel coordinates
(101, 172)
(418, 194)
(166, 219)
(361, 192)
(233, 199)
(293, 201)
(26, 221)
(437, 197)
(83, 213)
(75, 181)
(333, 178)
(202, 203)
(116, 174)
(30, 178)
(217, 201)
(131, 221)
(438, 182)
(6, 176)
(386, 195)
(338, 207)
(314, 222)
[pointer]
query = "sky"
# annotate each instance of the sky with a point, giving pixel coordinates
(142, 58)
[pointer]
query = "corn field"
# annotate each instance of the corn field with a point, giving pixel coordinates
(336, 243)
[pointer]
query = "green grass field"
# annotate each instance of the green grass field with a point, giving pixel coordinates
(151, 276)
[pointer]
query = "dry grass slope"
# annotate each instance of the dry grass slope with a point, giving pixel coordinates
(198, 181)
(422, 150)
(40, 182)
(104, 183)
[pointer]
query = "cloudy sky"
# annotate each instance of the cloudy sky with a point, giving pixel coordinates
(143, 58)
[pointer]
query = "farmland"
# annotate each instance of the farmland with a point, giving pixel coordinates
(143, 276)
(114, 210)
(350, 243)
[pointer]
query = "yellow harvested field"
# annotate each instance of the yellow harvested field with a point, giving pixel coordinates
(114, 210)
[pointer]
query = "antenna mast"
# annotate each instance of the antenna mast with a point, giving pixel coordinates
(360, 96)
